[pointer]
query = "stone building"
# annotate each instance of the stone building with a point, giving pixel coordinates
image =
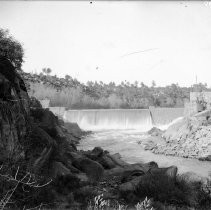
(199, 101)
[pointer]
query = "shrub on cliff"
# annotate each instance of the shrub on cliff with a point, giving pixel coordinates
(11, 48)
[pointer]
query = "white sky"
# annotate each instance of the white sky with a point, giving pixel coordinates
(77, 37)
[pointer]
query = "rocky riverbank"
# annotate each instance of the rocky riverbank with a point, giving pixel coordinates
(189, 137)
(42, 168)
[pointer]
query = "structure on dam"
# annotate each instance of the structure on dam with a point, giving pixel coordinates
(199, 101)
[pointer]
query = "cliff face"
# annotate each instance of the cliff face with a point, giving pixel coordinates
(14, 112)
(28, 132)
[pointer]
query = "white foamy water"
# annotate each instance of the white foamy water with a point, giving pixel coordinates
(125, 143)
(164, 127)
(138, 119)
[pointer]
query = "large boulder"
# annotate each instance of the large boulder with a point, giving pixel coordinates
(126, 170)
(131, 185)
(116, 158)
(95, 154)
(46, 120)
(74, 130)
(92, 168)
(155, 132)
(107, 162)
(103, 157)
(153, 181)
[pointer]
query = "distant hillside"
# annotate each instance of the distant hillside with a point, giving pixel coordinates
(73, 94)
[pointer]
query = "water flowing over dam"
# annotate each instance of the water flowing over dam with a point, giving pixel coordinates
(119, 130)
(140, 119)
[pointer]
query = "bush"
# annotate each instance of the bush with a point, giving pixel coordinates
(166, 190)
(11, 48)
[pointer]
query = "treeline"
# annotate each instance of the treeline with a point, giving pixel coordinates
(73, 94)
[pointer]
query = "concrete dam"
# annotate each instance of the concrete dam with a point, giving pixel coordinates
(105, 119)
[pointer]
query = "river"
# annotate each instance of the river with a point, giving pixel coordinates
(125, 143)
(119, 130)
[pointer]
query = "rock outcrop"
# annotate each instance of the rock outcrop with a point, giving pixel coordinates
(189, 137)
(14, 112)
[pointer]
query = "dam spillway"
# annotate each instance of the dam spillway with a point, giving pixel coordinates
(110, 119)
(141, 119)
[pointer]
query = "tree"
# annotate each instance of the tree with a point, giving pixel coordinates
(68, 77)
(11, 49)
(200, 87)
(153, 83)
(46, 71)
(90, 83)
(142, 84)
(136, 83)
